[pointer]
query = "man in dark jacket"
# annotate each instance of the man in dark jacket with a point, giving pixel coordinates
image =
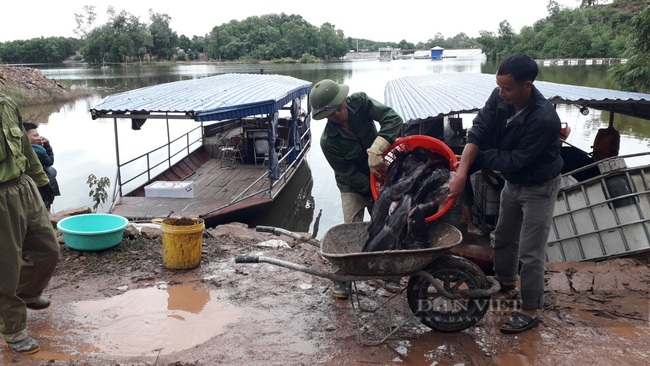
(353, 147)
(516, 133)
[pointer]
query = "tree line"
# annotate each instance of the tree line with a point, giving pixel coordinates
(590, 31)
(619, 29)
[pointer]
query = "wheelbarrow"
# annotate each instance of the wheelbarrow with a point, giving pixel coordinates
(446, 293)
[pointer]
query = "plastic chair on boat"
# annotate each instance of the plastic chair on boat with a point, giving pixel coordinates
(261, 150)
(230, 153)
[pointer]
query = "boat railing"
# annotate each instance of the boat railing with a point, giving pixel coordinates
(168, 160)
(245, 194)
(604, 216)
(604, 161)
(284, 176)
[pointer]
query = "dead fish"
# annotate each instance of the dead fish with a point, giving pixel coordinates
(395, 167)
(410, 164)
(411, 191)
(390, 194)
(421, 171)
(387, 237)
(438, 195)
(425, 155)
(435, 201)
(429, 208)
(417, 236)
(432, 182)
(380, 209)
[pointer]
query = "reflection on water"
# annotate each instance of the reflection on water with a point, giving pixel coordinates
(83, 146)
(293, 209)
(161, 319)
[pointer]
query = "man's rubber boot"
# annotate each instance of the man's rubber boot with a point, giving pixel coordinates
(40, 304)
(392, 286)
(25, 346)
(340, 290)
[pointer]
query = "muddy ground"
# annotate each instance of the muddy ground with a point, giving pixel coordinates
(121, 306)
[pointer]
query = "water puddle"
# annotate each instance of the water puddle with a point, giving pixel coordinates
(161, 319)
(591, 318)
(157, 320)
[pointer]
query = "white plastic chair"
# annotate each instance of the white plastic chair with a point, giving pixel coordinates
(261, 149)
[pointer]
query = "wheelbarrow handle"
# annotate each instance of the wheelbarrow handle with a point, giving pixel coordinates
(265, 229)
(291, 234)
(247, 259)
(309, 270)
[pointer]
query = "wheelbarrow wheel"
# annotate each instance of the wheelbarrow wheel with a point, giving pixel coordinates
(441, 313)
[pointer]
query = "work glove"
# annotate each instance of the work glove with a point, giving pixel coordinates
(375, 158)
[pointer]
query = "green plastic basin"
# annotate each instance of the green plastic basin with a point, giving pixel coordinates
(92, 231)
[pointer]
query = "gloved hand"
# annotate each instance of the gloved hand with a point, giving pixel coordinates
(375, 158)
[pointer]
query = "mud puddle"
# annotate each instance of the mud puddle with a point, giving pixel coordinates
(158, 320)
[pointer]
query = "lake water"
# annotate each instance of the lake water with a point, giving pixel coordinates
(83, 146)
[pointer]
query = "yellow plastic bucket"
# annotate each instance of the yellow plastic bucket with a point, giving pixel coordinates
(182, 241)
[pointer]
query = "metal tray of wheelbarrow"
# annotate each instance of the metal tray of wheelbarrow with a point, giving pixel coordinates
(342, 246)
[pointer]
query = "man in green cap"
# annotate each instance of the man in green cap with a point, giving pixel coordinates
(353, 147)
(28, 245)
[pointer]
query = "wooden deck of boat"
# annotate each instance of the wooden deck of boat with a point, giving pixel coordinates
(214, 187)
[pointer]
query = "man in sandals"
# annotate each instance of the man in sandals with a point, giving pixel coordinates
(516, 133)
(29, 250)
(353, 148)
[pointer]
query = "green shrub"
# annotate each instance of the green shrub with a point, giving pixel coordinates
(284, 60)
(309, 59)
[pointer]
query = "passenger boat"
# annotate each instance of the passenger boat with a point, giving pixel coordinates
(602, 208)
(251, 136)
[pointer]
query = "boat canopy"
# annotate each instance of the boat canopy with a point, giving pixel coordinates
(214, 98)
(417, 98)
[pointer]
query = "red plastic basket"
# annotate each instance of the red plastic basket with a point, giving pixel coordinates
(407, 144)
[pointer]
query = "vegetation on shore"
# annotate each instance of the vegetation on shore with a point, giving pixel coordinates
(616, 30)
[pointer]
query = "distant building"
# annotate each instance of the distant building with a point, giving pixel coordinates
(436, 53)
(386, 53)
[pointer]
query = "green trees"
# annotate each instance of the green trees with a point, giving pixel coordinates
(39, 50)
(274, 36)
(124, 38)
(461, 40)
(163, 38)
(635, 74)
(590, 31)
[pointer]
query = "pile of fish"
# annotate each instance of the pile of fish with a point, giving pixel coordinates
(415, 187)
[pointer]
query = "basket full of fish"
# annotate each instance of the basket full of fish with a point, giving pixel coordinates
(410, 191)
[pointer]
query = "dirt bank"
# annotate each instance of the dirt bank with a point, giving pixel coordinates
(123, 307)
(28, 86)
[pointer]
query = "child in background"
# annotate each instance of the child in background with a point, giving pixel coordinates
(45, 155)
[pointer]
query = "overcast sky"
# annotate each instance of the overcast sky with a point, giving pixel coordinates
(392, 21)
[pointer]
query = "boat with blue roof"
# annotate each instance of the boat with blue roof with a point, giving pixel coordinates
(250, 137)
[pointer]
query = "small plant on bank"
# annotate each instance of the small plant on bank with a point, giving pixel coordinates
(98, 190)
(283, 60)
(309, 59)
